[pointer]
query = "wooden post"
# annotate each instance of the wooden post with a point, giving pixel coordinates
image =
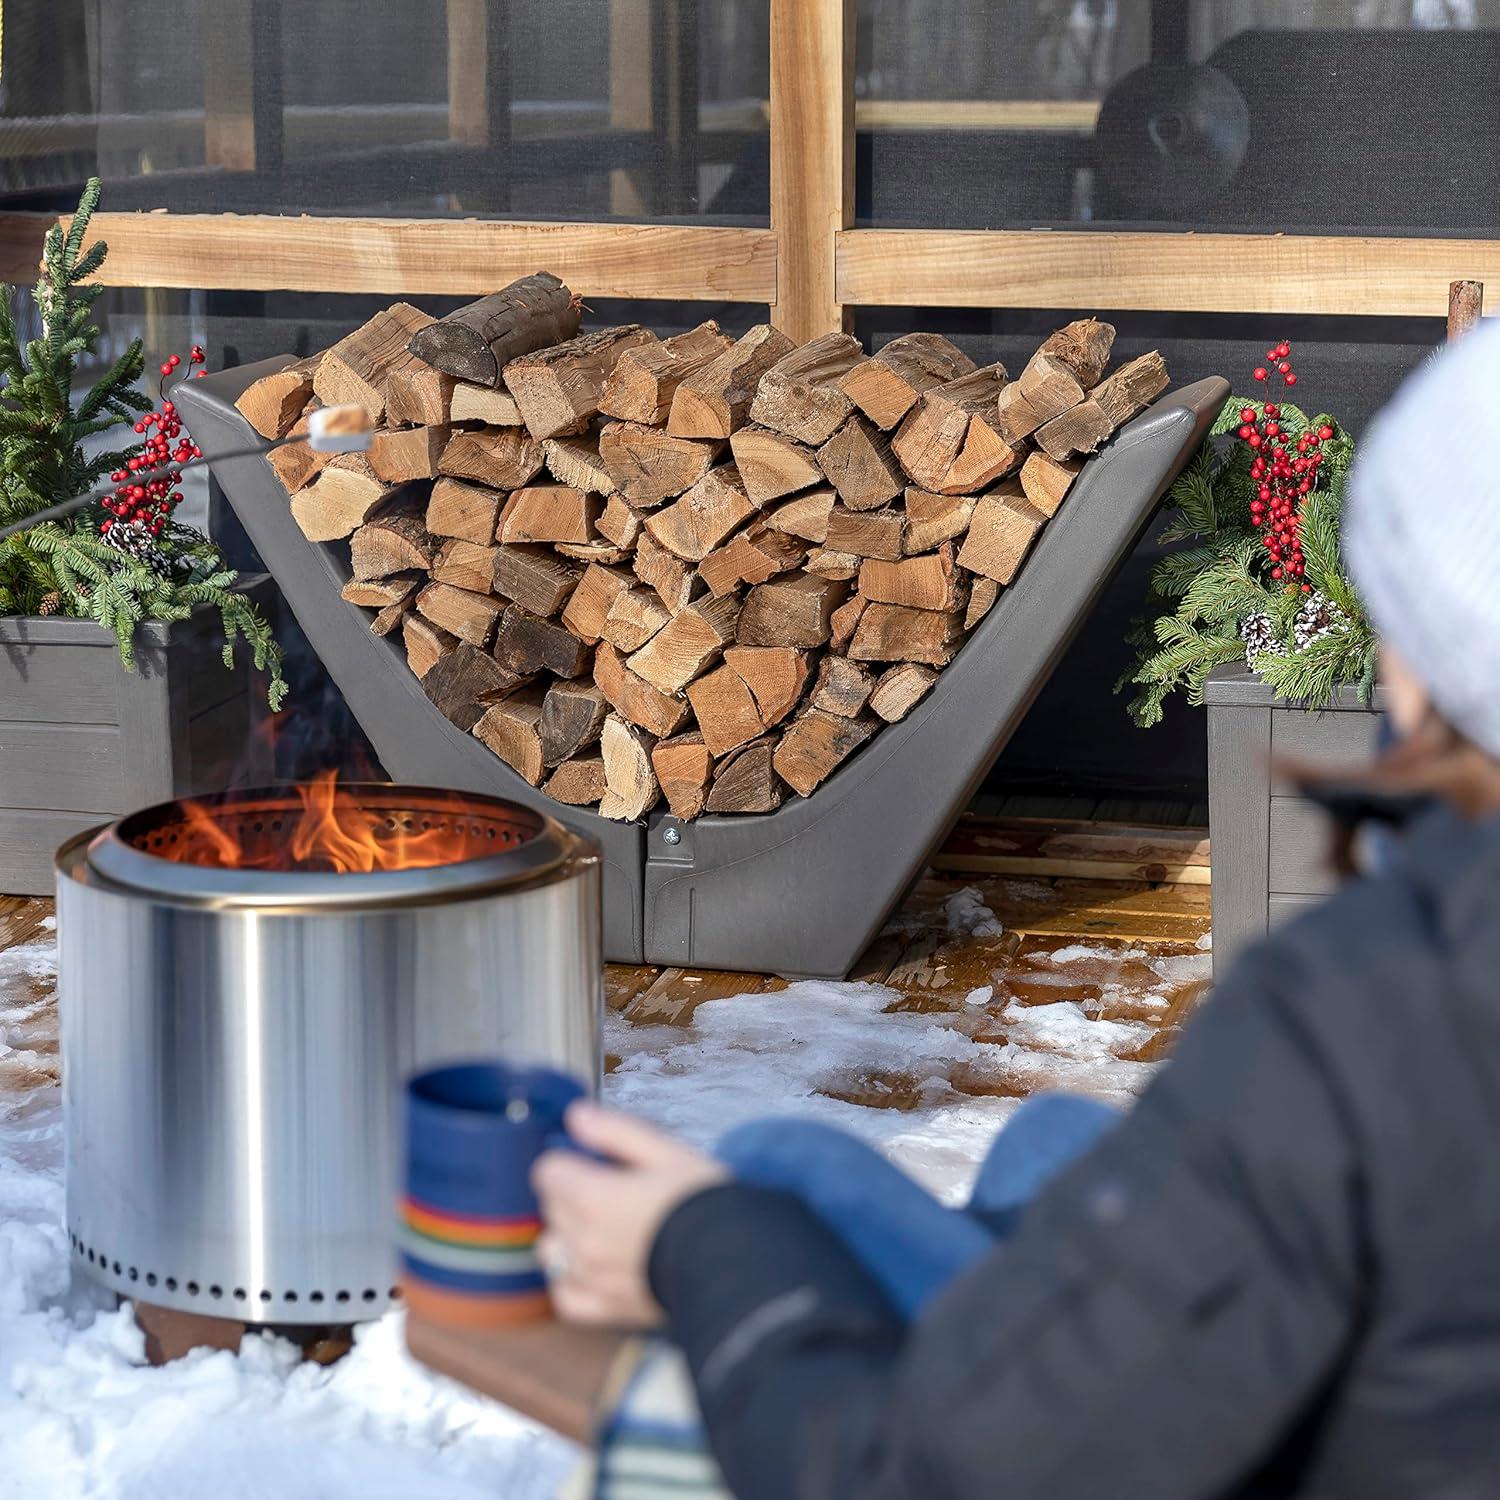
(630, 34)
(812, 159)
(242, 120)
(479, 92)
(1465, 306)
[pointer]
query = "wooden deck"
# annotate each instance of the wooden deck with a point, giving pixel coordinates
(1130, 895)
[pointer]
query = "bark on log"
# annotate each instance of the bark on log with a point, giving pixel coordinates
(843, 687)
(887, 385)
(393, 543)
(536, 578)
(528, 645)
(478, 341)
(816, 744)
(572, 716)
(746, 781)
(1083, 348)
(512, 729)
(425, 644)
(900, 689)
(464, 681)
(377, 593)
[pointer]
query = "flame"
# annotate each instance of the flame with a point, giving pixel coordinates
(334, 831)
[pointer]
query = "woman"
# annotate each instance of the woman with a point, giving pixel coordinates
(1280, 1274)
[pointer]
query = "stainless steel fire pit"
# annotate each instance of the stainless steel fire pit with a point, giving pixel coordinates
(243, 989)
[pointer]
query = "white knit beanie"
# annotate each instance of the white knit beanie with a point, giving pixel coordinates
(1421, 530)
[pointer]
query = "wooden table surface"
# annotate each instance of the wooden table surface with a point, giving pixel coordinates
(552, 1372)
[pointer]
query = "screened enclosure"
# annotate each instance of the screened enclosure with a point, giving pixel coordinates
(1206, 174)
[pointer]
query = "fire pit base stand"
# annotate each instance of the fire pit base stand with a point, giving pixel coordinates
(801, 890)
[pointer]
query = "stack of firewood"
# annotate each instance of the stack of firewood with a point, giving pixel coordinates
(697, 568)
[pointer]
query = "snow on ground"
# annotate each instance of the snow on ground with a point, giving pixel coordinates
(82, 1417)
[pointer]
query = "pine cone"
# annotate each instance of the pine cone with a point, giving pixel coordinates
(135, 541)
(50, 604)
(1259, 636)
(1318, 617)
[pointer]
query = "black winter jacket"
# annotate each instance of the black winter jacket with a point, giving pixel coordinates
(1280, 1276)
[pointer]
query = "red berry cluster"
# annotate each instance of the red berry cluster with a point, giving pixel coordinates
(147, 503)
(1281, 477)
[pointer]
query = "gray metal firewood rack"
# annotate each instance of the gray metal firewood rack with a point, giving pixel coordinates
(801, 890)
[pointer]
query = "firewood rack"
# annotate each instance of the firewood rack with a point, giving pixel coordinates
(801, 890)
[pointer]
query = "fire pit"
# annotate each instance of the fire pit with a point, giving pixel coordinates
(246, 980)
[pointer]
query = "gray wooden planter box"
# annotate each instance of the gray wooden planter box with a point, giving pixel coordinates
(83, 741)
(1269, 844)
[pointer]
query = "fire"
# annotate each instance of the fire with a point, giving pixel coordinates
(331, 829)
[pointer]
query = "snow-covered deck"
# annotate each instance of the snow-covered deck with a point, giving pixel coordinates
(984, 988)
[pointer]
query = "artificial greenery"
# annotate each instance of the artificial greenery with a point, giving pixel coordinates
(71, 567)
(1214, 600)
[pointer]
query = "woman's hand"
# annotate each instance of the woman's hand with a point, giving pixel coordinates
(602, 1219)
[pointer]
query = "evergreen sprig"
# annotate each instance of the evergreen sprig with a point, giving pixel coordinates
(1218, 576)
(67, 567)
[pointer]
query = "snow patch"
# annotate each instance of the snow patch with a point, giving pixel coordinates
(981, 996)
(968, 916)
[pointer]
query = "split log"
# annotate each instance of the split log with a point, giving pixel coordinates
(355, 370)
(927, 582)
(984, 457)
(1046, 481)
(806, 516)
(407, 454)
(469, 511)
(577, 783)
(885, 387)
(619, 523)
(866, 533)
(549, 513)
(800, 394)
(715, 400)
(746, 781)
(425, 644)
(648, 466)
(754, 556)
(633, 697)
(377, 593)
(683, 768)
(535, 578)
(860, 465)
(726, 710)
(273, 404)
(478, 341)
(1112, 403)
(394, 543)
(341, 498)
(631, 788)
(528, 645)
(1083, 348)
(416, 395)
(389, 616)
(982, 595)
(1045, 389)
(634, 617)
(589, 604)
(470, 616)
(824, 562)
(1005, 525)
(845, 622)
(931, 438)
(506, 459)
(776, 676)
(895, 632)
(597, 551)
(558, 388)
(791, 611)
(479, 403)
(644, 380)
(771, 465)
(464, 681)
(687, 645)
(932, 519)
(512, 728)
(296, 464)
(575, 461)
(572, 716)
(466, 565)
(815, 744)
(705, 517)
(900, 689)
(843, 687)
(673, 579)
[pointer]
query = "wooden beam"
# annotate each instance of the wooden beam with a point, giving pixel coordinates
(479, 90)
(417, 257)
(629, 92)
(812, 159)
(1138, 272)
